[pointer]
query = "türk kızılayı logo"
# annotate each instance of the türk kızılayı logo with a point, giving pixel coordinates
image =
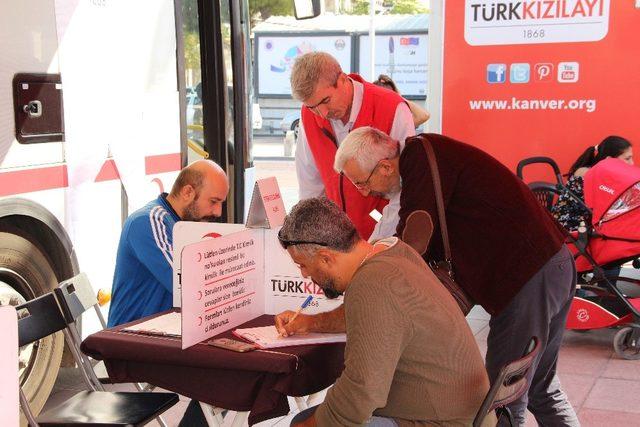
(490, 22)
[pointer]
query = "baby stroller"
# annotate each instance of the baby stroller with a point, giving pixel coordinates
(609, 238)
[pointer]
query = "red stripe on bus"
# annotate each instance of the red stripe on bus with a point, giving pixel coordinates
(48, 178)
(162, 163)
(29, 180)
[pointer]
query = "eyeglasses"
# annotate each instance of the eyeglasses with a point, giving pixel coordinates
(364, 184)
(286, 243)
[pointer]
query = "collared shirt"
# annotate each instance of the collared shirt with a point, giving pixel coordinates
(309, 180)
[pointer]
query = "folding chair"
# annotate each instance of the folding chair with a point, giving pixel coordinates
(75, 296)
(510, 384)
(42, 317)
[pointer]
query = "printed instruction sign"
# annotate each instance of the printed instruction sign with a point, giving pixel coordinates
(220, 288)
(184, 233)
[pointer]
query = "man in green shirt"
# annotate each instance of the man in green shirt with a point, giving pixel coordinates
(410, 357)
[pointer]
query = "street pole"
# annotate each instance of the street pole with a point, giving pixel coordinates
(372, 38)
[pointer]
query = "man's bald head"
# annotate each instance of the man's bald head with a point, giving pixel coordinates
(194, 175)
(199, 191)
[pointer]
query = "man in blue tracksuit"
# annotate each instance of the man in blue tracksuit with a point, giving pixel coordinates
(143, 278)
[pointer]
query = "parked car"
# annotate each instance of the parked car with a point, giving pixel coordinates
(256, 116)
(291, 121)
(194, 104)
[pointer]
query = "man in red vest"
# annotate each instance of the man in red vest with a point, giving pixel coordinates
(333, 104)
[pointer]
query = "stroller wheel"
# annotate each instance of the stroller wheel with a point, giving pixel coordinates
(624, 346)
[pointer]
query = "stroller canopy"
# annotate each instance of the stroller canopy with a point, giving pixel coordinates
(611, 189)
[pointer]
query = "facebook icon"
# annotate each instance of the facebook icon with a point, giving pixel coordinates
(496, 73)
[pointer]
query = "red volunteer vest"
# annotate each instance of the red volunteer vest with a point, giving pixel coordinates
(378, 110)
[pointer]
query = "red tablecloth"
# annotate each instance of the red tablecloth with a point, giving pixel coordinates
(258, 381)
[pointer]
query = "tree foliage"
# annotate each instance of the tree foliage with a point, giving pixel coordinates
(393, 7)
(263, 9)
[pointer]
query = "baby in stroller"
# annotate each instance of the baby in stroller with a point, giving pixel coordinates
(567, 210)
(604, 236)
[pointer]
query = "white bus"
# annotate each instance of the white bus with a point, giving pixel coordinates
(93, 124)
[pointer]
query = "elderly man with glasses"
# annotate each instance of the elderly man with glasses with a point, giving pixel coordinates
(410, 358)
(334, 103)
(507, 253)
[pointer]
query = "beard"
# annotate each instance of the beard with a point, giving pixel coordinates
(328, 287)
(192, 213)
(388, 194)
(379, 194)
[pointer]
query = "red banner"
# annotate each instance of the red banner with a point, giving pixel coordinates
(541, 78)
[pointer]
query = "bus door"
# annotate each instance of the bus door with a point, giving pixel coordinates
(216, 79)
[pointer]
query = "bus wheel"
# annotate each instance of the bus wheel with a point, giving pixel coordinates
(25, 273)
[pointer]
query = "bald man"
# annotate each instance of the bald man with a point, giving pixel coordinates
(143, 278)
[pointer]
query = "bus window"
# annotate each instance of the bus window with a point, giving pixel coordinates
(193, 81)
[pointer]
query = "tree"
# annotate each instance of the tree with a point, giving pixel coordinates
(411, 7)
(266, 8)
(394, 7)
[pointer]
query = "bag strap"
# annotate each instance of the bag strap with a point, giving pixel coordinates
(437, 187)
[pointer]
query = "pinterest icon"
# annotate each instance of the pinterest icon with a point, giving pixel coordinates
(543, 72)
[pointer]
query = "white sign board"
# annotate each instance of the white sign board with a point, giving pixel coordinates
(276, 55)
(220, 288)
(235, 278)
(184, 233)
(267, 208)
(490, 22)
(401, 57)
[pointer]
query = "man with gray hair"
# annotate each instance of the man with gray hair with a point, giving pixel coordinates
(507, 253)
(334, 103)
(410, 358)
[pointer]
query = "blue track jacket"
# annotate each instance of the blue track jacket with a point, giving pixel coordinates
(143, 278)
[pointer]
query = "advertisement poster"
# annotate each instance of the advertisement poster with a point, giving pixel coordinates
(276, 55)
(540, 78)
(401, 57)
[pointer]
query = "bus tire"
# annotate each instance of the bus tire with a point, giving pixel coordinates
(27, 270)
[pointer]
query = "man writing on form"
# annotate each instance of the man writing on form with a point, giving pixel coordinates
(410, 357)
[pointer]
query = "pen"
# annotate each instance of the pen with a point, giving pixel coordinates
(302, 307)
